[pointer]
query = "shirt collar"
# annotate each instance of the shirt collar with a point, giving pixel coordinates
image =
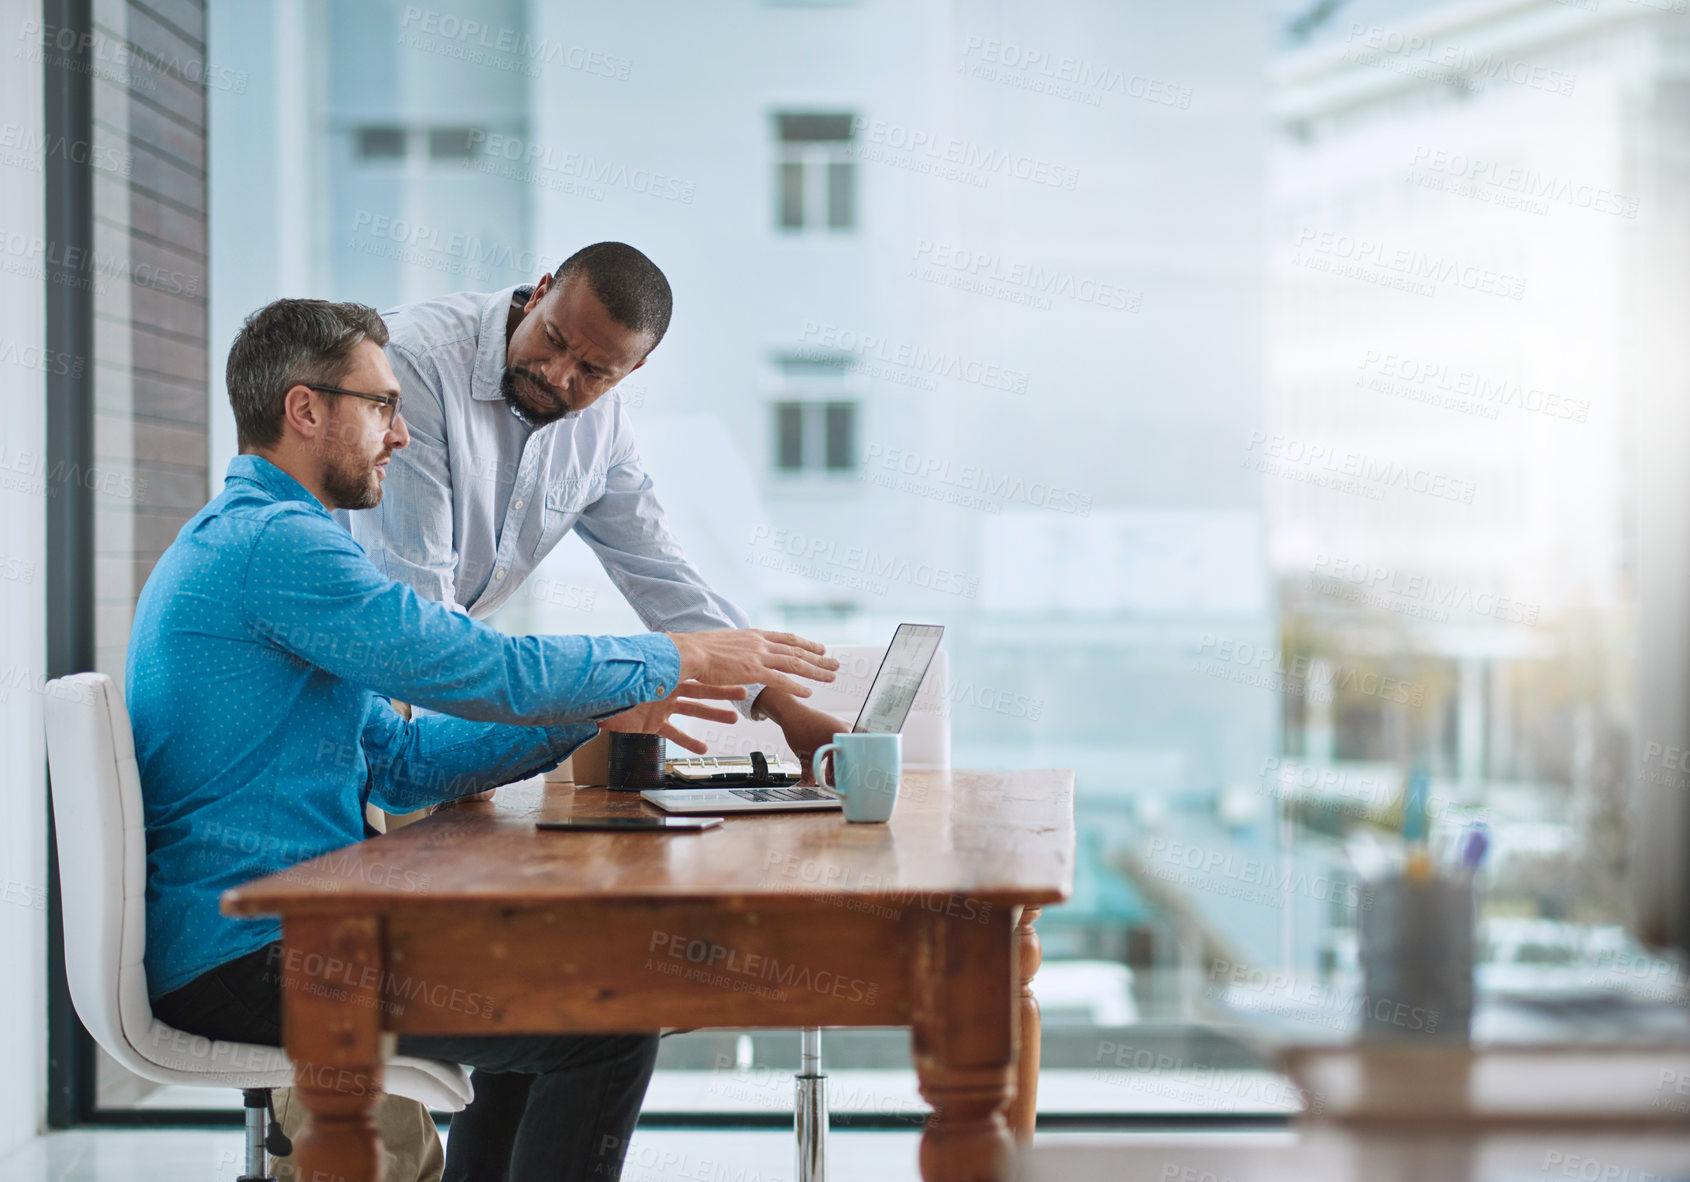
(491, 348)
(271, 479)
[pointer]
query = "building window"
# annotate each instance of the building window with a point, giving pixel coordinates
(789, 436)
(815, 177)
(452, 143)
(443, 145)
(839, 436)
(815, 415)
(815, 437)
(380, 143)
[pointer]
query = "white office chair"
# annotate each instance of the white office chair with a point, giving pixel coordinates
(927, 745)
(103, 886)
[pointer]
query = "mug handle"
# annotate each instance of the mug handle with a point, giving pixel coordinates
(817, 765)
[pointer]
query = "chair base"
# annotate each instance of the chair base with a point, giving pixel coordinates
(260, 1138)
(809, 1110)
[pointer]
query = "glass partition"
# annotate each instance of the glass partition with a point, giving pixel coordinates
(1253, 399)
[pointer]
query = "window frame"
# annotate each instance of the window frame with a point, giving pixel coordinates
(823, 208)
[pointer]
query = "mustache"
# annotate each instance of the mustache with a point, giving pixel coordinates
(536, 379)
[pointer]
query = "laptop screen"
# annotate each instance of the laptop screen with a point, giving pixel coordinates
(895, 686)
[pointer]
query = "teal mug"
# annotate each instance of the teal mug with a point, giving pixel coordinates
(866, 770)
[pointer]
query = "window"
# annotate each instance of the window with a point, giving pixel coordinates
(815, 415)
(380, 143)
(444, 144)
(789, 436)
(815, 437)
(815, 177)
(451, 143)
(1395, 530)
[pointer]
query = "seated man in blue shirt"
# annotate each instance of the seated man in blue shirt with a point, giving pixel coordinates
(264, 651)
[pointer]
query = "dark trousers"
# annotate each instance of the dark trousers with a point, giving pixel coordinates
(546, 1107)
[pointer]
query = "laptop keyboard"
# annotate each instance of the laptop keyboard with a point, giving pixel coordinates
(779, 795)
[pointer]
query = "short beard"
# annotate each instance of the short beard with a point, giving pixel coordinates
(349, 489)
(507, 391)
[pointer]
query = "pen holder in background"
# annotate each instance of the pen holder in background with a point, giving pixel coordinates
(1416, 935)
(636, 762)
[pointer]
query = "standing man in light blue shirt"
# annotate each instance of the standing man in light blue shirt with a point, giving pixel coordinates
(514, 444)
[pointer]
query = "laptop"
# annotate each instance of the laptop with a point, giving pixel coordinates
(884, 710)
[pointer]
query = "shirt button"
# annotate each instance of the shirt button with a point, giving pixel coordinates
(663, 691)
(498, 574)
(516, 504)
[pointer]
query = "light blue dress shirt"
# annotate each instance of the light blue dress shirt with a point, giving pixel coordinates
(263, 649)
(479, 498)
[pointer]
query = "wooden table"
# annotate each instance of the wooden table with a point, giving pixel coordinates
(473, 922)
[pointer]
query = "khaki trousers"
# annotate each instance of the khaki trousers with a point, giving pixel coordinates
(411, 1149)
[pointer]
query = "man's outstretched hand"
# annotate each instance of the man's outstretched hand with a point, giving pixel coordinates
(689, 698)
(751, 656)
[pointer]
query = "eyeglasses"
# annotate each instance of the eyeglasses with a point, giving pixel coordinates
(387, 400)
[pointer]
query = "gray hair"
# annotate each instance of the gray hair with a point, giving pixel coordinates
(291, 343)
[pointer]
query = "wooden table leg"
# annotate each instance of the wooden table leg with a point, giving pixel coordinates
(331, 1027)
(963, 1026)
(1023, 1110)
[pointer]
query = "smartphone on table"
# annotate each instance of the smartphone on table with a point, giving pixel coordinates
(631, 824)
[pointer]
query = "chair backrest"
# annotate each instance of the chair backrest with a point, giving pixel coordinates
(101, 830)
(927, 733)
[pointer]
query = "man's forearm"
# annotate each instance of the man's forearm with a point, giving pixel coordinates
(776, 705)
(438, 758)
(797, 717)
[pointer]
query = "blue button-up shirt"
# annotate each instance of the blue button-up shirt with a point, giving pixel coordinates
(264, 647)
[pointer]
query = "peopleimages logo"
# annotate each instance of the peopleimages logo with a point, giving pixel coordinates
(1064, 75)
(29, 471)
(118, 60)
(928, 363)
(1260, 880)
(448, 243)
(1527, 183)
(982, 159)
(544, 164)
(1408, 264)
(504, 47)
(1277, 454)
(78, 267)
(993, 488)
(760, 967)
(55, 362)
(1418, 587)
(28, 147)
(1441, 384)
(1375, 45)
(968, 269)
(863, 566)
(1264, 665)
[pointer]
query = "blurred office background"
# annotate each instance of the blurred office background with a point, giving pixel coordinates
(1252, 388)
